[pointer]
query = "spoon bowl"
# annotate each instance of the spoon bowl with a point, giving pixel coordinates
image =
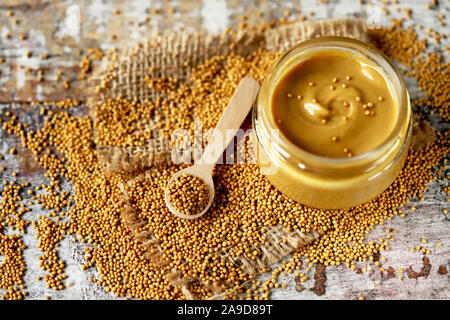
(204, 172)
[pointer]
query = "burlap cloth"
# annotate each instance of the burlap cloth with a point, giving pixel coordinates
(167, 55)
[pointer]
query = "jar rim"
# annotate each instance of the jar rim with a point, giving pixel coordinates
(402, 125)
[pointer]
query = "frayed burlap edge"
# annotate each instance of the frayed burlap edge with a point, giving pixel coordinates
(129, 160)
(174, 55)
(280, 242)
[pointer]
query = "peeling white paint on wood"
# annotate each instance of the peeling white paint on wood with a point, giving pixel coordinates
(428, 221)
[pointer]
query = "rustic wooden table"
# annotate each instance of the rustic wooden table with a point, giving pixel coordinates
(61, 28)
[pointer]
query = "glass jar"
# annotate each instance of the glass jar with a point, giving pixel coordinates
(321, 182)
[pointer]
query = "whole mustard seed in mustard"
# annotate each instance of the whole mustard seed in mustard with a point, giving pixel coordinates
(332, 123)
(345, 107)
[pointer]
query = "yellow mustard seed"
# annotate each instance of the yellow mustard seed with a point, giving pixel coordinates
(188, 194)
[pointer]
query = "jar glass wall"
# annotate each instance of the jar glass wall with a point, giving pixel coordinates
(322, 182)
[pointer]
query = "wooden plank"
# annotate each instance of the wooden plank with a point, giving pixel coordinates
(52, 28)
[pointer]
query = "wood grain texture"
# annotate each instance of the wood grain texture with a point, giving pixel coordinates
(61, 28)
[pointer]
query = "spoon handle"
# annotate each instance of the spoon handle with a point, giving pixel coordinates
(231, 120)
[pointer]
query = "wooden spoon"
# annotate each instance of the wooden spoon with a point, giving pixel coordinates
(232, 119)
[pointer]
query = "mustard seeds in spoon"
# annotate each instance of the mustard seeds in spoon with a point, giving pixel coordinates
(188, 194)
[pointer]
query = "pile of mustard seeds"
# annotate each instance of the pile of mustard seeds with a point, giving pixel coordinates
(429, 69)
(188, 194)
(246, 205)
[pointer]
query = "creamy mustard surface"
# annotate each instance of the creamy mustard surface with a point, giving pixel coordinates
(335, 104)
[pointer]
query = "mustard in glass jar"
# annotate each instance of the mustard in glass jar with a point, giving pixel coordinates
(332, 122)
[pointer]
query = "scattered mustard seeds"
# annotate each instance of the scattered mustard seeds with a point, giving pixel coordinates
(246, 206)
